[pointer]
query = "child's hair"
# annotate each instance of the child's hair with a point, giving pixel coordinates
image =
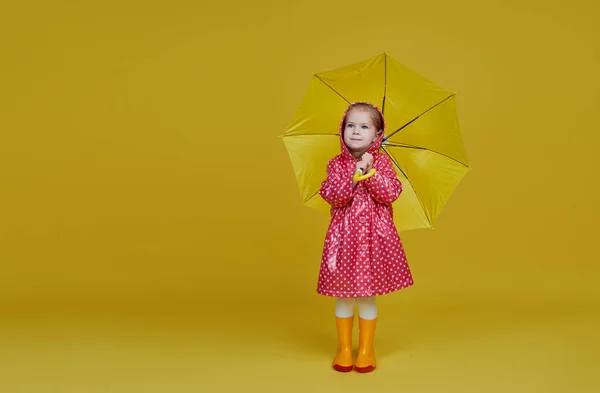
(374, 112)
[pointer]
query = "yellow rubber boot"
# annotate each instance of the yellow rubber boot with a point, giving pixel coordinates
(365, 361)
(343, 356)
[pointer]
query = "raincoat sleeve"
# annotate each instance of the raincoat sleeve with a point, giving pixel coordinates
(384, 186)
(337, 189)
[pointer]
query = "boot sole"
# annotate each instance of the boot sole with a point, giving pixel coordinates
(367, 369)
(343, 369)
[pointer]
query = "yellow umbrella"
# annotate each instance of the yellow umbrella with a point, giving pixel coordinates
(422, 135)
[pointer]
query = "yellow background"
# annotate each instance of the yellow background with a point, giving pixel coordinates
(152, 237)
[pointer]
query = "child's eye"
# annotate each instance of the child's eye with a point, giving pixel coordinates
(350, 125)
(365, 127)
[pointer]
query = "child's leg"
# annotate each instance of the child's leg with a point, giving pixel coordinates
(367, 309)
(344, 316)
(344, 307)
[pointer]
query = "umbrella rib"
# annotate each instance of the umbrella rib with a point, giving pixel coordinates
(384, 84)
(334, 90)
(426, 149)
(311, 197)
(320, 134)
(395, 162)
(405, 175)
(407, 124)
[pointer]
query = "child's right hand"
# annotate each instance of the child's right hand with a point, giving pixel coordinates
(362, 166)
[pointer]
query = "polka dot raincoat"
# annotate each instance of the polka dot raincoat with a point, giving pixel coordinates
(363, 254)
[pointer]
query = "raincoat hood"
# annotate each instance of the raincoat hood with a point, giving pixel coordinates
(374, 147)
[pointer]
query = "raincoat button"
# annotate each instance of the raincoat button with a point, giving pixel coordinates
(364, 247)
(362, 220)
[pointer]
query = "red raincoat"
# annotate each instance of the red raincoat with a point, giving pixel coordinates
(363, 254)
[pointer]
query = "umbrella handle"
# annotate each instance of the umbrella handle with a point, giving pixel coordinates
(358, 176)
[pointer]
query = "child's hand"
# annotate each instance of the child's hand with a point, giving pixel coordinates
(362, 166)
(368, 159)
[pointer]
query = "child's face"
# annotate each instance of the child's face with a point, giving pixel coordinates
(360, 131)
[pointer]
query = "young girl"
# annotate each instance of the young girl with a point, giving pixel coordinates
(363, 256)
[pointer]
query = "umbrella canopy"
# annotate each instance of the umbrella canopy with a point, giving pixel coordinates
(422, 135)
